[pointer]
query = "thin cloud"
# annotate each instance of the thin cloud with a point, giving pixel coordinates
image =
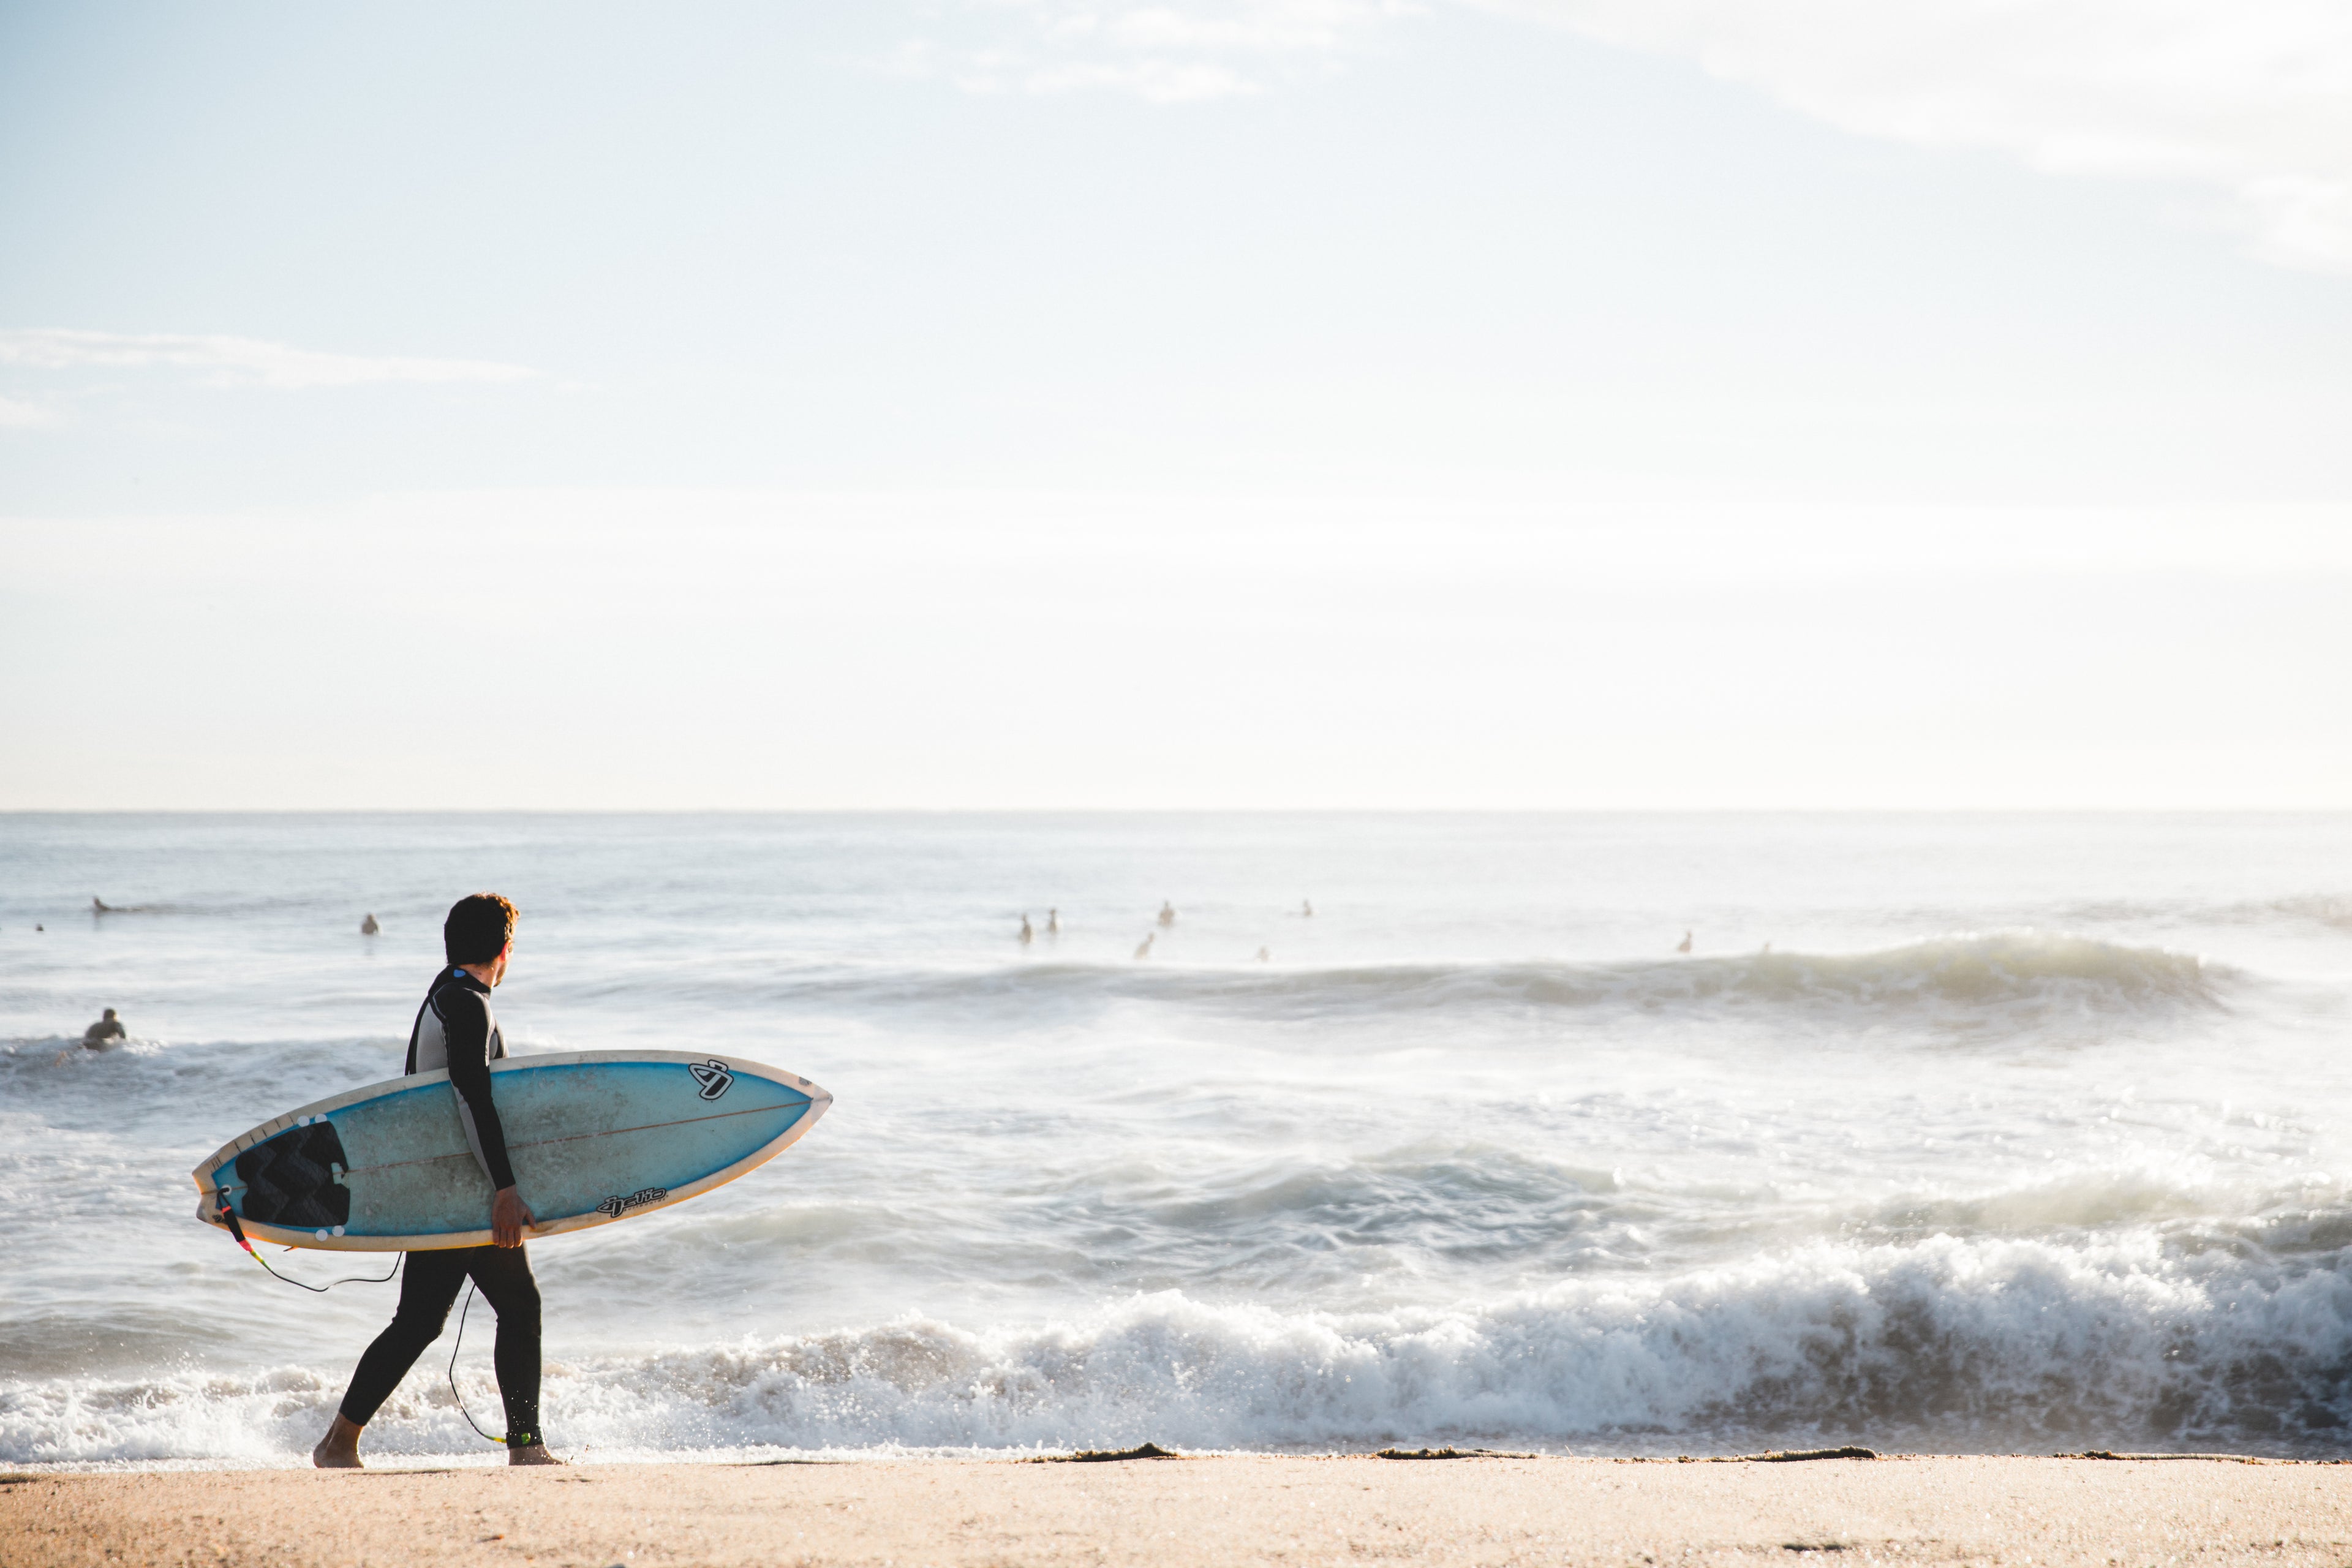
(1166, 53)
(236, 362)
(2250, 100)
(2250, 97)
(19, 416)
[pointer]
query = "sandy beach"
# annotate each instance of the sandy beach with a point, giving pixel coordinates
(1195, 1511)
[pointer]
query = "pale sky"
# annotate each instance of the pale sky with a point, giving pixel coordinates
(1297, 402)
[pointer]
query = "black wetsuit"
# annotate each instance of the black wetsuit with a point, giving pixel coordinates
(455, 1029)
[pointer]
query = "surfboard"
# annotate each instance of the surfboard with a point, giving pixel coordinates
(594, 1137)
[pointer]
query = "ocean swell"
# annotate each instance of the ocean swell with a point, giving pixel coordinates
(1996, 979)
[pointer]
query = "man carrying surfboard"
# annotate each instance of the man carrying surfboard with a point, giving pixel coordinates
(456, 1030)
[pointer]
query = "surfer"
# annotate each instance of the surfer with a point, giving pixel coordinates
(455, 1029)
(100, 907)
(1307, 909)
(1027, 936)
(1053, 923)
(368, 926)
(1167, 913)
(1145, 950)
(107, 1029)
(1684, 946)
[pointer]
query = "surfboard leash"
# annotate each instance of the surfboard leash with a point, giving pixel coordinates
(228, 1218)
(454, 1394)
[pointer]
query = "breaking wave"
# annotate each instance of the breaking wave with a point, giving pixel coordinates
(1999, 972)
(1939, 1344)
(2333, 911)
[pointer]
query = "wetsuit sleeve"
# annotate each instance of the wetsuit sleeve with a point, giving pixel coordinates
(466, 1025)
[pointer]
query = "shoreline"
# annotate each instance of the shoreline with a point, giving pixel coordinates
(1229, 1509)
(756, 1459)
(492, 1462)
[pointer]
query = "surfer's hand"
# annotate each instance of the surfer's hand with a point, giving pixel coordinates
(510, 1217)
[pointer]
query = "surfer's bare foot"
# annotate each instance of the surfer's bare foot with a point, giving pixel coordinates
(532, 1454)
(339, 1448)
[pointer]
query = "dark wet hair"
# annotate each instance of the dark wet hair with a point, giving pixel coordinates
(479, 924)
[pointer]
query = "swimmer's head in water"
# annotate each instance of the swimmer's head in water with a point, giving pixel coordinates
(478, 928)
(110, 1014)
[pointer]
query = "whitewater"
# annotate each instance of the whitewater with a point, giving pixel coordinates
(1948, 1133)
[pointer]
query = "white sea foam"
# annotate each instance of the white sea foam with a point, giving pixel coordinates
(1935, 1345)
(1938, 1342)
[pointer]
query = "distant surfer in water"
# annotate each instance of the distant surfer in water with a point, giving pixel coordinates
(106, 1029)
(455, 1029)
(368, 926)
(1027, 936)
(1145, 950)
(1684, 945)
(1053, 923)
(100, 907)
(1167, 913)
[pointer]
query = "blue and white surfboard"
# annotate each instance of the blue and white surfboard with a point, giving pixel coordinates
(594, 1137)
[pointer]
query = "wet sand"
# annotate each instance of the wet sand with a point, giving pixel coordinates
(1195, 1511)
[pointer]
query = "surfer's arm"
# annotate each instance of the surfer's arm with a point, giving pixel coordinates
(466, 1026)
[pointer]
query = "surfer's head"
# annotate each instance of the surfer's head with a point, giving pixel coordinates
(478, 928)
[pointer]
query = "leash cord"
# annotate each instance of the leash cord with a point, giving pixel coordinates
(353, 1279)
(453, 1393)
(228, 1216)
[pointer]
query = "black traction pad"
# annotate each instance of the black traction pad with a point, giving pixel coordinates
(289, 1180)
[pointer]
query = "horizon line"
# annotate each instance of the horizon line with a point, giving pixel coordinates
(1042, 811)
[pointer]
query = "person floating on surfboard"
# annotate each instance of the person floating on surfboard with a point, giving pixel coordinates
(455, 1029)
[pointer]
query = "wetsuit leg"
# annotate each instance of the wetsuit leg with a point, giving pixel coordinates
(428, 1284)
(503, 1276)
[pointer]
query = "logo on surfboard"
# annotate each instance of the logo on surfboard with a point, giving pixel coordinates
(713, 1077)
(611, 1207)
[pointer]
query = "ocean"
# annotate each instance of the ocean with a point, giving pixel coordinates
(2001, 1133)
